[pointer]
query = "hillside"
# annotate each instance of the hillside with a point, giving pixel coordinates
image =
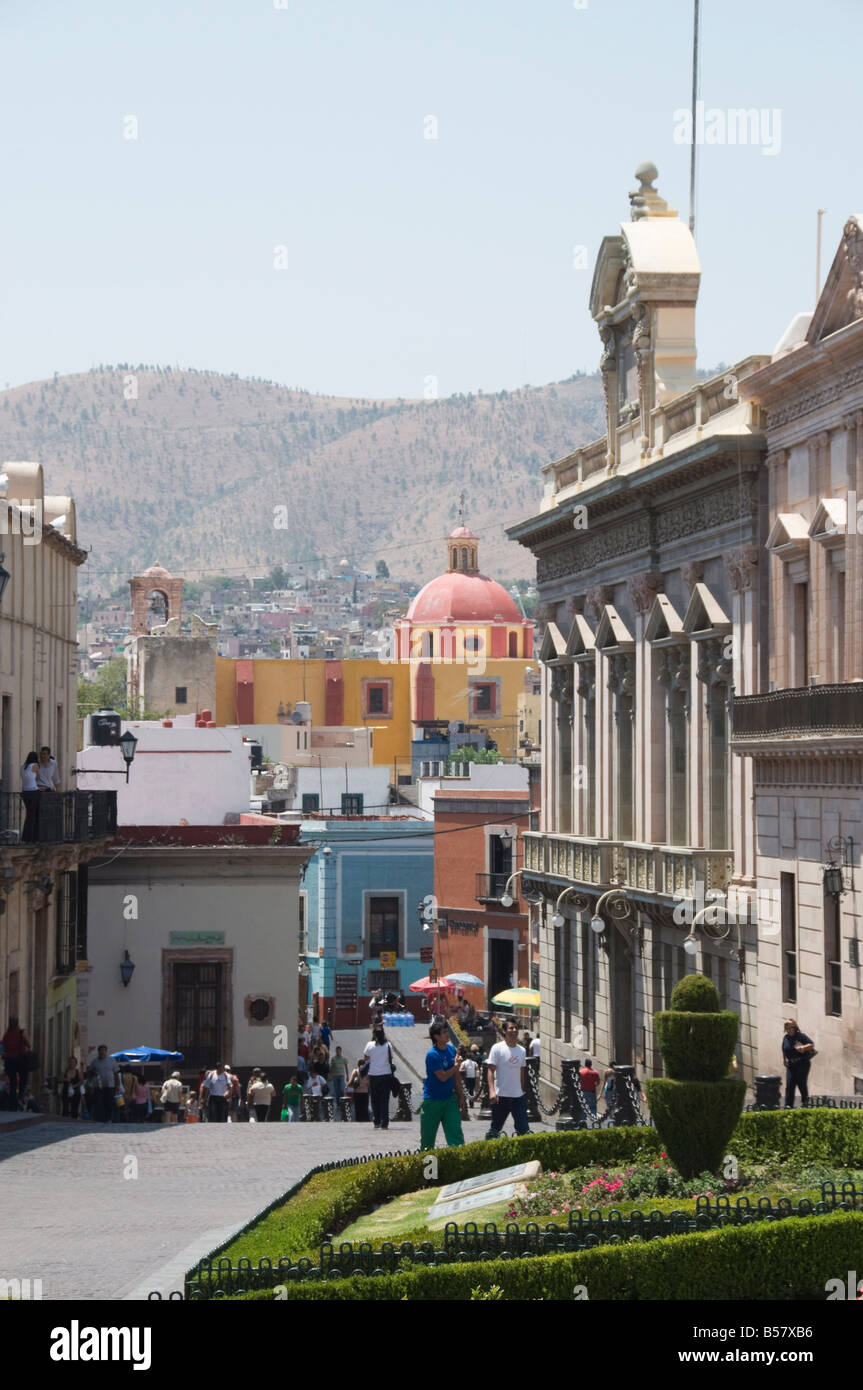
(190, 472)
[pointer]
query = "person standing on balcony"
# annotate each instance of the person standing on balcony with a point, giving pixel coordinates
(48, 774)
(30, 797)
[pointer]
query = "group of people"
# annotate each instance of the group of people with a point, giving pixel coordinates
(39, 774)
(451, 1072)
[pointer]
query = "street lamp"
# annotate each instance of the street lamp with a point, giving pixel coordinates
(127, 966)
(581, 905)
(128, 744)
(532, 896)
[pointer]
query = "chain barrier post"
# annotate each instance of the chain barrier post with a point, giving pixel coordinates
(484, 1102)
(405, 1111)
(570, 1109)
(625, 1096)
(532, 1093)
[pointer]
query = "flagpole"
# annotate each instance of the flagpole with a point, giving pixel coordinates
(695, 27)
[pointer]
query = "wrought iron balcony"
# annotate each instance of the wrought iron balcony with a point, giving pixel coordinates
(490, 887)
(813, 709)
(57, 818)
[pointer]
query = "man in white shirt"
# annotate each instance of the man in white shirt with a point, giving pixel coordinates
(47, 775)
(534, 1047)
(218, 1086)
(506, 1068)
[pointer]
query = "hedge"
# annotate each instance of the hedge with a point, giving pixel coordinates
(696, 1046)
(323, 1204)
(330, 1201)
(781, 1260)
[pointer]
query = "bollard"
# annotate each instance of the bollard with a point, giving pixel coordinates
(404, 1111)
(624, 1110)
(768, 1090)
(570, 1110)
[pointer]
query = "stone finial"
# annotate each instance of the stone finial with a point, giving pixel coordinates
(644, 200)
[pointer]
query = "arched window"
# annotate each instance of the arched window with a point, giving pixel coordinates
(513, 644)
(464, 557)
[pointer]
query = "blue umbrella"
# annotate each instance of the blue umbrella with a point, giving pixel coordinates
(465, 979)
(147, 1054)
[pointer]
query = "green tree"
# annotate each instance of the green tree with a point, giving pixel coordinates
(108, 691)
(382, 570)
(277, 578)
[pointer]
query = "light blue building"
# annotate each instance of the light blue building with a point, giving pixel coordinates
(359, 901)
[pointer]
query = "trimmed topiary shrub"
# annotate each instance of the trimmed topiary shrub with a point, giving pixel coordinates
(695, 1119)
(696, 1108)
(695, 994)
(696, 1046)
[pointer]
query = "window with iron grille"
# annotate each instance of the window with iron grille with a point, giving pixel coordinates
(383, 925)
(180, 692)
(352, 803)
(311, 802)
(71, 910)
(789, 939)
(384, 979)
(832, 957)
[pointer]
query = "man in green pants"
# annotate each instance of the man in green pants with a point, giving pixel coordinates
(440, 1103)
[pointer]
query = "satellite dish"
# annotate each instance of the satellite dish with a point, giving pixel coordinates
(296, 717)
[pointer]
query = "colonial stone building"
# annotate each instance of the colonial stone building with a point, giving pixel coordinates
(44, 857)
(647, 544)
(802, 734)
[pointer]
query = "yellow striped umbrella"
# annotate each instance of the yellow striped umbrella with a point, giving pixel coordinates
(518, 998)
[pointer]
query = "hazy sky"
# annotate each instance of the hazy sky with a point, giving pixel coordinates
(407, 258)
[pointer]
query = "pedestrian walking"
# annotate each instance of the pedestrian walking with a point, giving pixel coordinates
(291, 1096)
(72, 1081)
(797, 1053)
(338, 1080)
(106, 1079)
(319, 1060)
(358, 1084)
(589, 1078)
(468, 1074)
(441, 1091)
(217, 1087)
(235, 1096)
(261, 1093)
(327, 1034)
(30, 797)
(380, 1069)
(141, 1101)
(506, 1075)
(608, 1088)
(172, 1094)
(535, 1047)
(15, 1057)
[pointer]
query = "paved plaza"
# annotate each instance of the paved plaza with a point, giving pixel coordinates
(74, 1219)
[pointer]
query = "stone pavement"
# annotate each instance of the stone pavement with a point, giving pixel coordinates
(114, 1211)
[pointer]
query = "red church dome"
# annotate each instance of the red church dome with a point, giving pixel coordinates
(465, 598)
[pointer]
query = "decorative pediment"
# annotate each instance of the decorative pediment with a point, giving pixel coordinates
(610, 264)
(829, 522)
(789, 536)
(581, 641)
(553, 646)
(841, 300)
(613, 632)
(705, 616)
(665, 625)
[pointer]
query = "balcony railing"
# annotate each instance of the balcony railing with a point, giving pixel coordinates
(571, 857)
(670, 870)
(809, 709)
(490, 887)
(664, 870)
(57, 818)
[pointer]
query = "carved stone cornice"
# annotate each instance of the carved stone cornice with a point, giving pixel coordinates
(714, 667)
(621, 674)
(813, 400)
(741, 565)
(853, 420)
(776, 460)
(586, 680)
(705, 513)
(643, 588)
(561, 688)
(597, 597)
(575, 604)
(675, 670)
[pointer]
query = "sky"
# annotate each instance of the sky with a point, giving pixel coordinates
(382, 198)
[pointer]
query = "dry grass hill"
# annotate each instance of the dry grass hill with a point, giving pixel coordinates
(190, 472)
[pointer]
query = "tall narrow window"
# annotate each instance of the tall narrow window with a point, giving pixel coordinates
(566, 982)
(789, 938)
(800, 635)
(832, 957)
(624, 716)
(678, 766)
(720, 772)
(839, 629)
(383, 925)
